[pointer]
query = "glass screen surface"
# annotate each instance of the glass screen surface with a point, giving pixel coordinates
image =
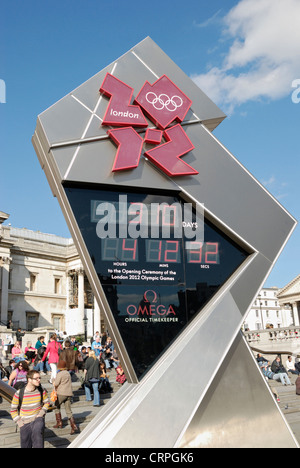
(155, 274)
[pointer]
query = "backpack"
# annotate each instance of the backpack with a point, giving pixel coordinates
(21, 396)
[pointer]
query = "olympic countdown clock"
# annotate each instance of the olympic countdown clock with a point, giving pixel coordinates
(177, 238)
(154, 285)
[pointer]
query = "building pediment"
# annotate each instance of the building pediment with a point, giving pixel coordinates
(291, 289)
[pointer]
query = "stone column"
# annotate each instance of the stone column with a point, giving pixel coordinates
(295, 314)
(97, 317)
(80, 301)
(5, 261)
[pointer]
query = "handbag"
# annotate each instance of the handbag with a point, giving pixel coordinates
(53, 396)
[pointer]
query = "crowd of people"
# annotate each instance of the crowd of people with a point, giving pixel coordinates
(61, 359)
(278, 372)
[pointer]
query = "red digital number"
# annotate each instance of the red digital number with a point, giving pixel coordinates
(211, 256)
(195, 256)
(171, 251)
(130, 249)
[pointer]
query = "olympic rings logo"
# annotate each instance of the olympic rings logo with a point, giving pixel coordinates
(163, 101)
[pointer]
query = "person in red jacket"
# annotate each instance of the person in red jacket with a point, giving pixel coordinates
(53, 350)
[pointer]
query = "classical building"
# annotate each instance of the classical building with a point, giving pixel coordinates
(43, 284)
(265, 311)
(275, 308)
(289, 299)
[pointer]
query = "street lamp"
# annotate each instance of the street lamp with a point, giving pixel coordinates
(261, 316)
(85, 321)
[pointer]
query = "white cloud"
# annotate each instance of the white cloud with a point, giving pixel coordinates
(263, 58)
(279, 189)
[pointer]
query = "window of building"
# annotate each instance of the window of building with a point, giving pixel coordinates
(57, 285)
(58, 322)
(32, 320)
(33, 281)
(9, 278)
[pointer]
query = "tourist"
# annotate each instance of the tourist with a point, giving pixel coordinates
(290, 365)
(30, 352)
(69, 355)
(278, 369)
(92, 378)
(10, 367)
(104, 385)
(121, 377)
(280, 376)
(39, 365)
(52, 349)
(96, 347)
(82, 357)
(40, 343)
(298, 386)
(103, 339)
(114, 360)
(260, 358)
(19, 335)
(17, 352)
(63, 388)
(28, 409)
(18, 377)
(107, 355)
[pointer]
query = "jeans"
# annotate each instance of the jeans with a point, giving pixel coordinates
(283, 378)
(32, 434)
(42, 367)
(96, 393)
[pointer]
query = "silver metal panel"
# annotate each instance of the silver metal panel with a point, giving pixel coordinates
(160, 400)
(72, 145)
(238, 398)
(59, 122)
(154, 57)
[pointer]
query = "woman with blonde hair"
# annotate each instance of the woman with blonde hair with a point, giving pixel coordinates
(92, 378)
(17, 352)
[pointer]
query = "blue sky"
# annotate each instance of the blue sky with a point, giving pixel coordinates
(243, 53)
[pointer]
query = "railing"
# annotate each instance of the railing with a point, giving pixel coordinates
(273, 335)
(6, 391)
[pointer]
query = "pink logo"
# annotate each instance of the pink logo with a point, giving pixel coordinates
(163, 103)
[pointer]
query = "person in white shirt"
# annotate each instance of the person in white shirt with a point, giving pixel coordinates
(290, 366)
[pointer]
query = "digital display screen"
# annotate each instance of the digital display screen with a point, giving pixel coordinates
(158, 259)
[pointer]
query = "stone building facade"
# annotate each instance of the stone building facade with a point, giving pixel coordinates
(289, 298)
(43, 284)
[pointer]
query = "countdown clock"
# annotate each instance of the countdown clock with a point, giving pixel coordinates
(154, 286)
(124, 153)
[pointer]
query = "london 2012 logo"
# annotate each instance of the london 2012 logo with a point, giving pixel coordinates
(164, 104)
